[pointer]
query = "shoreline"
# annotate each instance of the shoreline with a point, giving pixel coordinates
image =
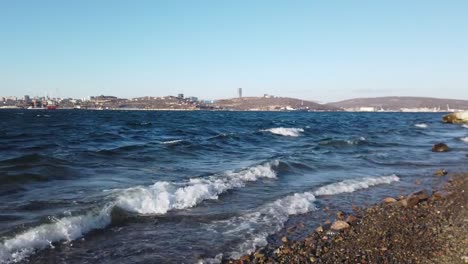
(422, 227)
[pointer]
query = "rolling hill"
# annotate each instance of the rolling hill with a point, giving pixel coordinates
(396, 103)
(272, 103)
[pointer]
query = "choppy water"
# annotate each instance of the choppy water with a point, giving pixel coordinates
(183, 187)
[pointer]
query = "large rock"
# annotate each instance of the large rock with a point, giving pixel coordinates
(440, 147)
(440, 172)
(339, 225)
(389, 200)
(456, 118)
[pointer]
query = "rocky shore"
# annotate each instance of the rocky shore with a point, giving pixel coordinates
(423, 227)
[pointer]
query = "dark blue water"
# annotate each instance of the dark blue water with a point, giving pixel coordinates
(181, 187)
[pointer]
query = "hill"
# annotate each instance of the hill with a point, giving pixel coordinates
(272, 104)
(397, 103)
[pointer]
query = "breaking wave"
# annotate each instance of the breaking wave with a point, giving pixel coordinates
(162, 197)
(422, 125)
(158, 198)
(464, 139)
(285, 131)
(465, 126)
(352, 185)
(270, 218)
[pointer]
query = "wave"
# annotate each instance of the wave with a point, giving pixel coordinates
(422, 125)
(464, 139)
(352, 185)
(158, 198)
(285, 131)
(170, 142)
(162, 197)
(465, 126)
(33, 158)
(270, 218)
(65, 229)
(343, 142)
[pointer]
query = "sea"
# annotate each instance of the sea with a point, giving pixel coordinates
(79, 186)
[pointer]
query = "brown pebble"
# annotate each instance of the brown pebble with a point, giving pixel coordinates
(319, 229)
(351, 219)
(284, 239)
(389, 200)
(340, 215)
(339, 225)
(440, 172)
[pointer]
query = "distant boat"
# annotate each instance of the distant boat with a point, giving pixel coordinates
(51, 107)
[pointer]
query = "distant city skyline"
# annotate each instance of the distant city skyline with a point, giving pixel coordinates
(321, 51)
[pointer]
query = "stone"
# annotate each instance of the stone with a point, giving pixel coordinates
(339, 225)
(340, 215)
(440, 147)
(389, 200)
(351, 219)
(245, 259)
(438, 195)
(403, 202)
(422, 195)
(284, 239)
(456, 118)
(412, 201)
(440, 172)
(319, 229)
(258, 255)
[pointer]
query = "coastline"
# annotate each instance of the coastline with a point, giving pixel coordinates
(422, 227)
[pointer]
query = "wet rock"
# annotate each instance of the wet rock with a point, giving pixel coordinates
(456, 118)
(403, 202)
(259, 256)
(422, 195)
(351, 219)
(440, 147)
(319, 229)
(412, 201)
(339, 225)
(340, 215)
(389, 200)
(440, 172)
(284, 239)
(245, 259)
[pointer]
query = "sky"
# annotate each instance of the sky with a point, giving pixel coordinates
(317, 50)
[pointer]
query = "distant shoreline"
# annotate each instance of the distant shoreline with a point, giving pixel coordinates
(219, 110)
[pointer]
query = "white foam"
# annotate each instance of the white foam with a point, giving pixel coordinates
(465, 126)
(285, 131)
(422, 125)
(355, 141)
(162, 197)
(172, 141)
(155, 199)
(352, 185)
(464, 139)
(65, 229)
(270, 218)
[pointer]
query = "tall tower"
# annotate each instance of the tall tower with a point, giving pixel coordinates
(240, 92)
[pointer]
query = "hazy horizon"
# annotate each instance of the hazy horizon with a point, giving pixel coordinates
(319, 51)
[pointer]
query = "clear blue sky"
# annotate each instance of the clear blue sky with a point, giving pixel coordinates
(318, 50)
